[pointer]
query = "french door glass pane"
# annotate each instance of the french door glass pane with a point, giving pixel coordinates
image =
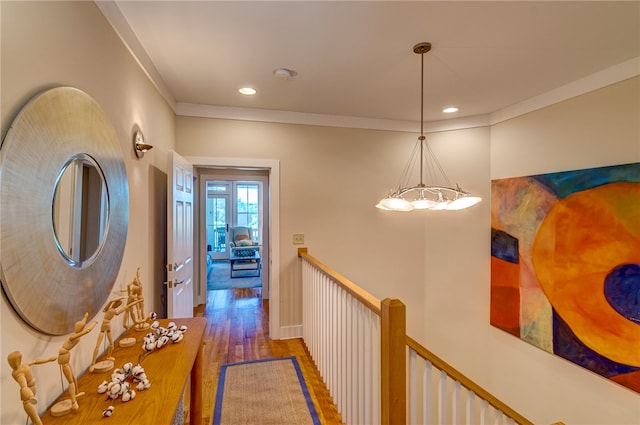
(217, 223)
(247, 201)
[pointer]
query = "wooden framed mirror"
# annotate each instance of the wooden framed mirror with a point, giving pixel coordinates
(61, 163)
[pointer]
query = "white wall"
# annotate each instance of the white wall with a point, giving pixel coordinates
(48, 44)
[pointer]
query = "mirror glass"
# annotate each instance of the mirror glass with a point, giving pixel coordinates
(80, 210)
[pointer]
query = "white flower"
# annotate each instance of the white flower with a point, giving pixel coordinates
(107, 412)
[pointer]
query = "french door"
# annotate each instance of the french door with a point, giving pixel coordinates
(230, 204)
(218, 212)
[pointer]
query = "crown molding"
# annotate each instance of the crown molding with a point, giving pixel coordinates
(323, 120)
(612, 75)
(598, 80)
(615, 74)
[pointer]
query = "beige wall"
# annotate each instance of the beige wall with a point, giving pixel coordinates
(51, 44)
(330, 179)
(597, 129)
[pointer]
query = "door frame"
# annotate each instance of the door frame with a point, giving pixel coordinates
(273, 168)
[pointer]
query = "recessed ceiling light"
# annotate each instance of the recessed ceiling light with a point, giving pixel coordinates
(450, 110)
(247, 91)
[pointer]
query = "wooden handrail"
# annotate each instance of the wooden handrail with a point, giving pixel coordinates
(357, 292)
(466, 382)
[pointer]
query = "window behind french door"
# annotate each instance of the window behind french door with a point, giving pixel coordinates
(229, 204)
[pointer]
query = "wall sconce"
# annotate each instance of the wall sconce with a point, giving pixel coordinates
(139, 146)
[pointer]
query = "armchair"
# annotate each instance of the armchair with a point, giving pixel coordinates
(241, 236)
(241, 242)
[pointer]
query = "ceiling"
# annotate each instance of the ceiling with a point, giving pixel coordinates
(355, 60)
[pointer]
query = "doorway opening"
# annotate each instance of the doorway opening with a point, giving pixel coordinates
(267, 171)
(234, 217)
(234, 202)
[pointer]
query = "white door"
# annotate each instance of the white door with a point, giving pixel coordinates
(180, 237)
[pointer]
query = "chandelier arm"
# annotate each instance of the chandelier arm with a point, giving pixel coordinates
(435, 165)
(437, 189)
(406, 173)
(434, 190)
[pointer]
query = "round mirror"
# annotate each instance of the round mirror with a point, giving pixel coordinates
(64, 203)
(80, 210)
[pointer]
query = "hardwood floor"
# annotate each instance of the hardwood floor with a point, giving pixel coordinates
(238, 330)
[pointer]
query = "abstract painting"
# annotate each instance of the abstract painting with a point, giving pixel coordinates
(565, 266)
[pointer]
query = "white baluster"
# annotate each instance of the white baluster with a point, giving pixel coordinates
(368, 349)
(413, 386)
(377, 369)
(483, 411)
(361, 364)
(455, 403)
(428, 392)
(331, 382)
(442, 398)
(355, 361)
(343, 391)
(470, 399)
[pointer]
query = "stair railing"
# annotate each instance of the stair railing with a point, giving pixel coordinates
(440, 394)
(360, 347)
(344, 328)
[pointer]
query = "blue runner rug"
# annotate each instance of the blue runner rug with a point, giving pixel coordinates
(265, 392)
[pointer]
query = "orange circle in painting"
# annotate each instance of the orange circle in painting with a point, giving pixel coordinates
(581, 240)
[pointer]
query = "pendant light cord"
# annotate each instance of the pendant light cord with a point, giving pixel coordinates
(421, 118)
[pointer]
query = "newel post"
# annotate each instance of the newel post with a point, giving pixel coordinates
(393, 362)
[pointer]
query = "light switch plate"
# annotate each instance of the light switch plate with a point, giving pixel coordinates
(298, 238)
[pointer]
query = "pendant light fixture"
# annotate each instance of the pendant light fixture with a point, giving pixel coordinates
(422, 196)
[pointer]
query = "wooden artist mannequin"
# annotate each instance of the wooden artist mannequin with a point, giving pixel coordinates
(111, 309)
(24, 377)
(64, 357)
(136, 301)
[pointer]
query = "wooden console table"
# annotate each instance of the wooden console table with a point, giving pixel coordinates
(168, 370)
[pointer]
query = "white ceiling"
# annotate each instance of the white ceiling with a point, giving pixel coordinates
(355, 58)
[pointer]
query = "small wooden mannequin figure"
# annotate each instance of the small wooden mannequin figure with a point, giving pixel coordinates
(136, 314)
(64, 357)
(113, 308)
(23, 376)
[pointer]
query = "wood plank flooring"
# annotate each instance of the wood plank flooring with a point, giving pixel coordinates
(238, 330)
